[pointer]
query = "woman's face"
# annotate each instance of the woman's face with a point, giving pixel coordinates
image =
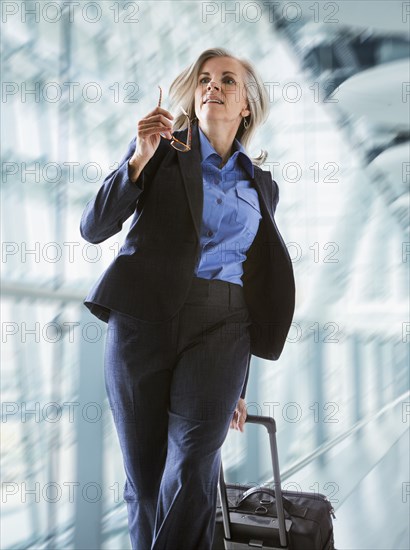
(220, 94)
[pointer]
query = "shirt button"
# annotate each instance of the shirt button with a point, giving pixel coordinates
(210, 233)
(219, 201)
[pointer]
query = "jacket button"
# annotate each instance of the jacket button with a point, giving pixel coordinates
(210, 233)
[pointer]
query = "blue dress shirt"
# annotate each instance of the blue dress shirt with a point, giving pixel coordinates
(231, 213)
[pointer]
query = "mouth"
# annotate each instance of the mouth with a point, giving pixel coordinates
(212, 100)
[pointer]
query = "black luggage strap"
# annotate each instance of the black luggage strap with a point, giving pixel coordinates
(291, 508)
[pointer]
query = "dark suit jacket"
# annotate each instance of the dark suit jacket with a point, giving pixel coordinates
(150, 277)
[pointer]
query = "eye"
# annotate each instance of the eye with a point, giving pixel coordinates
(202, 80)
(229, 80)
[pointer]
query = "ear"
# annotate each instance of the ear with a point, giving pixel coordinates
(245, 112)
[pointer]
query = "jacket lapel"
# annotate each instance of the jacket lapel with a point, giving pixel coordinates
(191, 170)
(263, 185)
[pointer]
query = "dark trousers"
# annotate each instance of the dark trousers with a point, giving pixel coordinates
(173, 387)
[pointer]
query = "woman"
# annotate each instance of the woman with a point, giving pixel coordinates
(202, 281)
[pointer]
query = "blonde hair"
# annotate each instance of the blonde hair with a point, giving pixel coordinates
(182, 92)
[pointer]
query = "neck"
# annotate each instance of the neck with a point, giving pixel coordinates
(221, 136)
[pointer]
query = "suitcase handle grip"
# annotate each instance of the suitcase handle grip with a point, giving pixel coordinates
(266, 421)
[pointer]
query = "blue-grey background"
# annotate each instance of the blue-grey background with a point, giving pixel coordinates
(76, 78)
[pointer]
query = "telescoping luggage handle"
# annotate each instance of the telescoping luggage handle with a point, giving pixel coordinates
(270, 425)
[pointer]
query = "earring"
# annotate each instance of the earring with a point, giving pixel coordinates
(245, 123)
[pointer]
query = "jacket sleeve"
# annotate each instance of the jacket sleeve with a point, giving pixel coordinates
(114, 202)
(275, 195)
(243, 392)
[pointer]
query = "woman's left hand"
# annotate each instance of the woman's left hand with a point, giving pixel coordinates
(239, 416)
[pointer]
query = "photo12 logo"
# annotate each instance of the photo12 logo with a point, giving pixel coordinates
(253, 12)
(55, 12)
(69, 92)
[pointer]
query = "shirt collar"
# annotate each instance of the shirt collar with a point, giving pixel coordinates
(207, 150)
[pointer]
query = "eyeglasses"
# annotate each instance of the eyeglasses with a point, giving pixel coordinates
(175, 142)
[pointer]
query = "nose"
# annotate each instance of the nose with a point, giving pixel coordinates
(212, 84)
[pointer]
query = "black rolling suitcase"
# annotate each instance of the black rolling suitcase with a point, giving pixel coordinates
(259, 517)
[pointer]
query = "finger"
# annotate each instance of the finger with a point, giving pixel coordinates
(156, 118)
(159, 110)
(152, 131)
(158, 127)
(152, 123)
(237, 419)
(234, 420)
(241, 420)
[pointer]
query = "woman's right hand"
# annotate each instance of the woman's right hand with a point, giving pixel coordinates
(158, 121)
